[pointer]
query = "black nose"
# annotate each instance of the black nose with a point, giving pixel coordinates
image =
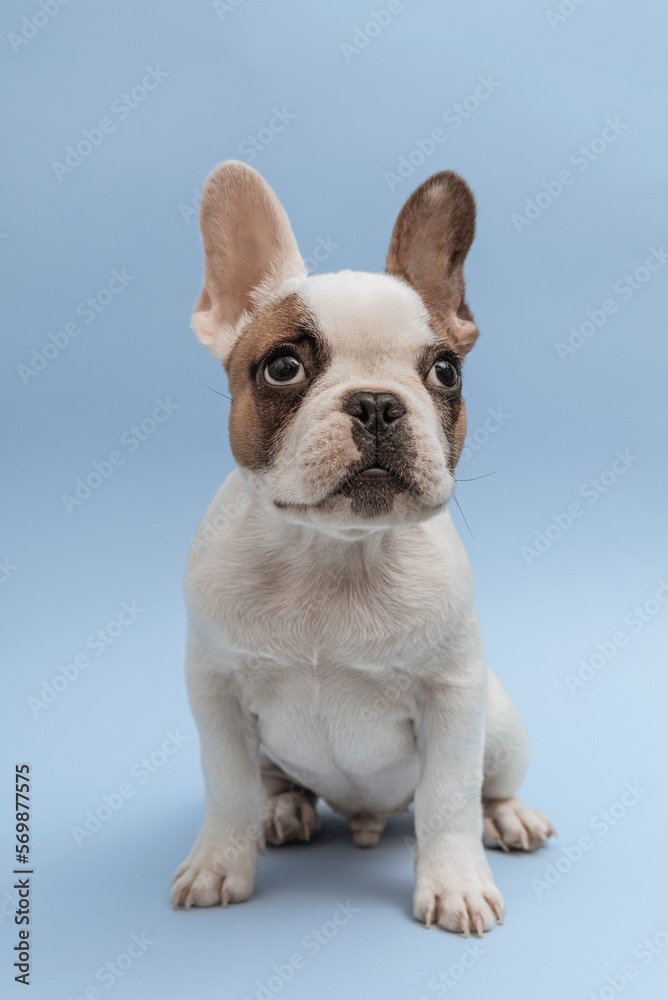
(375, 410)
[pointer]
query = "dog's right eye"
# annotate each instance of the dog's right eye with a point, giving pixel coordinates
(284, 370)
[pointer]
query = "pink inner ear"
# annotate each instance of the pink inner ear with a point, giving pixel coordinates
(249, 251)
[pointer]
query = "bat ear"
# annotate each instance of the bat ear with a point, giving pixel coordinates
(249, 253)
(431, 238)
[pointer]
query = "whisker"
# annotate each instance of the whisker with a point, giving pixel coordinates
(462, 513)
(216, 391)
(483, 455)
(473, 478)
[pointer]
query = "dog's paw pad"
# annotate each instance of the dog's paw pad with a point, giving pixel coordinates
(510, 824)
(290, 816)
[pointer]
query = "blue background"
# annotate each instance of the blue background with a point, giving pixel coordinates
(129, 205)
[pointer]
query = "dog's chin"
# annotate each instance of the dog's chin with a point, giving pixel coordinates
(366, 501)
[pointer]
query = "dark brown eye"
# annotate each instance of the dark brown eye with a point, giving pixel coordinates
(443, 373)
(285, 369)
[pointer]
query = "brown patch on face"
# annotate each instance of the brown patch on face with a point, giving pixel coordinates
(448, 402)
(458, 437)
(260, 411)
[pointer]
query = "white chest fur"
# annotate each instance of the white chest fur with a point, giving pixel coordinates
(330, 641)
(266, 587)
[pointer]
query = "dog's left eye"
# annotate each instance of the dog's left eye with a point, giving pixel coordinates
(284, 370)
(443, 373)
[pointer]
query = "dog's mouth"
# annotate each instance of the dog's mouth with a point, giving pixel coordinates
(372, 484)
(373, 472)
(373, 492)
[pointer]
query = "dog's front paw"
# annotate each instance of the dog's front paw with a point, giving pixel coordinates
(460, 904)
(213, 877)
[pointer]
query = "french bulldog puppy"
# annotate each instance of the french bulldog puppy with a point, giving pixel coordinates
(333, 644)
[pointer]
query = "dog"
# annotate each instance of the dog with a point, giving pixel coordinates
(333, 647)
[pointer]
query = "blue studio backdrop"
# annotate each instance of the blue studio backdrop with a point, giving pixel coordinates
(114, 444)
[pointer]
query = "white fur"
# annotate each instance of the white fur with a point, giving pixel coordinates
(338, 657)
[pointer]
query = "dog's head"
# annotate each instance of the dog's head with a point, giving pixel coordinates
(346, 410)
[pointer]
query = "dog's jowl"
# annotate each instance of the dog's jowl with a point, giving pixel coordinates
(333, 644)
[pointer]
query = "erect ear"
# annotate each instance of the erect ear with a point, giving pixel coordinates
(249, 252)
(430, 240)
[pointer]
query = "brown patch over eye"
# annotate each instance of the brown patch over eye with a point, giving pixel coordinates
(260, 410)
(447, 399)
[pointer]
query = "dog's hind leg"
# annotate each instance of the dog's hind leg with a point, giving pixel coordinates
(508, 822)
(291, 812)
